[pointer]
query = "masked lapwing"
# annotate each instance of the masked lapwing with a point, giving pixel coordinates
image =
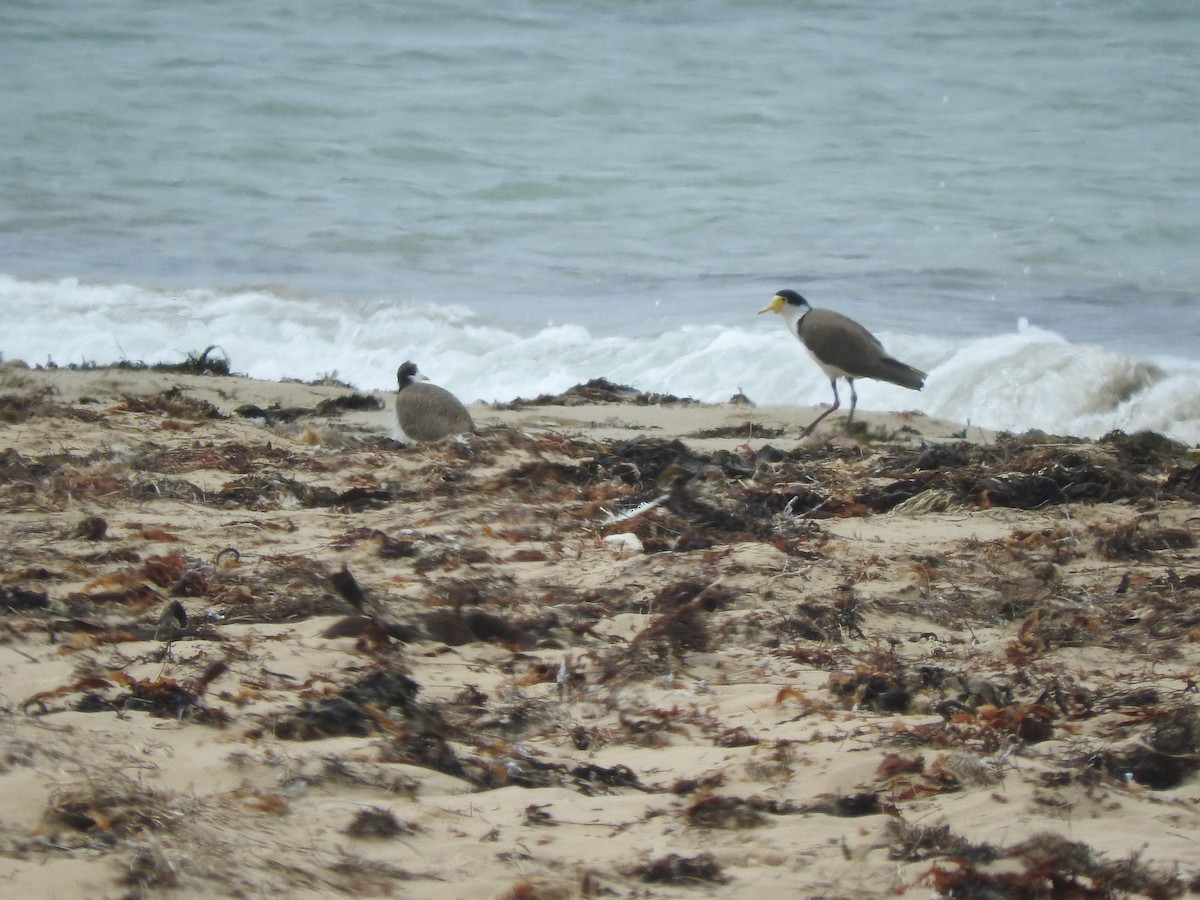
(842, 347)
(426, 412)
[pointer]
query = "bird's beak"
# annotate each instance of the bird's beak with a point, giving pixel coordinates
(773, 306)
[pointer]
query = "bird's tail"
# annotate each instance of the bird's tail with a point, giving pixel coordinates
(900, 373)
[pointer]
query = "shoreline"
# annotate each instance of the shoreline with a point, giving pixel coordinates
(590, 650)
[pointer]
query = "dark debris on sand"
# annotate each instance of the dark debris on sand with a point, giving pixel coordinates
(597, 391)
(205, 362)
(420, 588)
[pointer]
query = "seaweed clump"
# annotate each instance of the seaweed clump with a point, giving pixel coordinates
(684, 870)
(1052, 866)
(1166, 757)
(598, 390)
(203, 363)
(376, 702)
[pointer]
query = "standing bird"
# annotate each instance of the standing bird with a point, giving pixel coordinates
(425, 411)
(842, 347)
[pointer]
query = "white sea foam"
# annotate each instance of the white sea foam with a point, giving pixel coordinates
(1028, 378)
(644, 188)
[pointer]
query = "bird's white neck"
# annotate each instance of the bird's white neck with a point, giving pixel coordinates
(793, 314)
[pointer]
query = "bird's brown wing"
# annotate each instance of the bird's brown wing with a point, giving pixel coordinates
(840, 343)
(838, 340)
(427, 412)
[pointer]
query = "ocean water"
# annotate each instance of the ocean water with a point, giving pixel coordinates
(522, 196)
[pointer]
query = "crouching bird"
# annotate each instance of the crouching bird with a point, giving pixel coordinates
(426, 412)
(842, 347)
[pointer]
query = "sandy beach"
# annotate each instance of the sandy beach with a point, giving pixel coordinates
(610, 645)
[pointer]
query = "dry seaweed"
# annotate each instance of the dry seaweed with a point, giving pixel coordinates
(592, 779)
(16, 598)
(427, 749)
(275, 491)
(335, 406)
(747, 431)
(113, 805)
(1053, 866)
(709, 810)
(1131, 540)
(1025, 472)
(324, 718)
(166, 698)
(377, 701)
(232, 456)
(910, 842)
(202, 363)
(331, 407)
(92, 528)
(1144, 448)
(831, 623)
(1184, 482)
(374, 822)
(149, 867)
(684, 870)
(598, 390)
(171, 402)
(272, 491)
(660, 647)
(847, 806)
(161, 697)
(387, 691)
(478, 546)
(17, 408)
(643, 462)
(166, 489)
(1167, 756)
(715, 811)
(274, 414)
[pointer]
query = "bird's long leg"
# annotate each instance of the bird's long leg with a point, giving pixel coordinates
(853, 403)
(836, 403)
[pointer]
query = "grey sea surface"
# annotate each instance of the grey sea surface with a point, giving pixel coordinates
(946, 173)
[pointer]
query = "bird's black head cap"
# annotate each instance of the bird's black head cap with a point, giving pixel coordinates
(406, 374)
(791, 297)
